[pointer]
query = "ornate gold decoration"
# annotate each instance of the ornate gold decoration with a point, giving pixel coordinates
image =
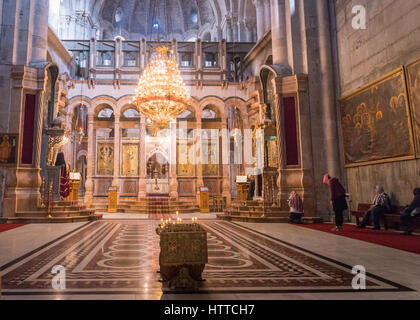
(130, 159)
(105, 159)
(161, 94)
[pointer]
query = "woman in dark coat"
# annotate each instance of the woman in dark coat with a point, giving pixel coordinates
(337, 200)
(409, 213)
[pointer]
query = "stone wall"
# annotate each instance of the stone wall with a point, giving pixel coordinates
(391, 39)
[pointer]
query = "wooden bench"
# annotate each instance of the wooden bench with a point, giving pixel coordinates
(389, 218)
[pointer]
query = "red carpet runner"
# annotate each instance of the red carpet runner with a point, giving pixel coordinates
(6, 227)
(158, 207)
(388, 238)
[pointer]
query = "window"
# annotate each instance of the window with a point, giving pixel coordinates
(186, 60)
(208, 114)
(210, 60)
(130, 59)
(194, 16)
(105, 58)
(131, 114)
(106, 113)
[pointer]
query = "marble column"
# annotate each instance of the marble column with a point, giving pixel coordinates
(23, 42)
(329, 114)
(119, 59)
(142, 160)
(173, 179)
(225, 168)
(115, 180)
(40, 31)
(249, 27)
(198, 160)
(90, 170)
(229, 29)
(279, 33)
(260, 8)
(267, 15)
(235, 29)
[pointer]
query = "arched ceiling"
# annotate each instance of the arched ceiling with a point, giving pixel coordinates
(180, 19)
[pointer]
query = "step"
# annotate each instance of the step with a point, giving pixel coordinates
(253, 219)
(26, 220)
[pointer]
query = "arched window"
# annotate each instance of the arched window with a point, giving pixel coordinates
(194, 16)
(106, 114)
(209, 113)
(131, 114)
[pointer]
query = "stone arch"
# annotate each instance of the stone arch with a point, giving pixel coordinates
(123, 103)
(241, 106)
(77, 101)
(216, 102)
(97, 104)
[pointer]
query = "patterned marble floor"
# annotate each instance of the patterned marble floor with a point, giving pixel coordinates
(119, 258)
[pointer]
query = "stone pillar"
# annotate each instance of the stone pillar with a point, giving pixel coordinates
(115, 180)
(329, 115)
(225, 167)
(173, 178)
(259, 6)
(300, 56)
(142, 159)
(119, 59)
(23, 42)
(279, 34)
(296, 178)
(198, 56)
(198, 160)
(90, 170)
(267, 14)
(228, 28)
(40, 31)
(223, 58)
(235, 28)
(142, 54)
(249, 27)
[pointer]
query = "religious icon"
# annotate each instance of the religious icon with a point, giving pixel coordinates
(105, 161)
(130, 159)
(8, 144)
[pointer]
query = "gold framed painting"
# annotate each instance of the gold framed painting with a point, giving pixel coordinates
(375, 121)
(413, 84)
(184, 165)
(8, 148)
(130, 159)
(105, 159)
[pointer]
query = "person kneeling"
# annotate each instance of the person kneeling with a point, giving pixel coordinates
(381, 204)
(296, 208)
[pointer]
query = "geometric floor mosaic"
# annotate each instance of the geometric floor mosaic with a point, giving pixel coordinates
(118, 257)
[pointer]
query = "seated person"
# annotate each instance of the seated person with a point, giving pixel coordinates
(296, 208)
(381, 204)
(410, 212)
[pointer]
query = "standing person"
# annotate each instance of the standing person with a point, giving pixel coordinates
(411, 211)
(65, 176)
(337, 200)
(381, 204)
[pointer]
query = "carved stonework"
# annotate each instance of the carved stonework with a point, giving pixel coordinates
(183, 256)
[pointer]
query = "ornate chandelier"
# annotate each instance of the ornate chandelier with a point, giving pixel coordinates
(161, 94)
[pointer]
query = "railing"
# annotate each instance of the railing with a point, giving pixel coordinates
(117, 54)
